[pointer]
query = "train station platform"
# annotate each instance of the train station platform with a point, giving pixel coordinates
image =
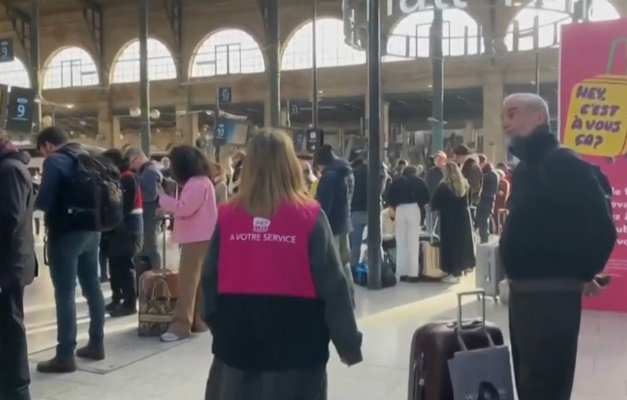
(146, 369)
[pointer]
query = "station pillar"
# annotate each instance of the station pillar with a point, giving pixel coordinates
(493, 137)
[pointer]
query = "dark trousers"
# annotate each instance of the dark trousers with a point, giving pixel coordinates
(482, 221)
(226, 383)
(544, 331)
(14, 372)
(122, 279)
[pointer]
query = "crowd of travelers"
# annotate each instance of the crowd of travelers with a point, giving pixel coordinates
(272, 321)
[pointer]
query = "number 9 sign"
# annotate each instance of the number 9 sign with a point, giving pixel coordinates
(22, 103)
(6, 50)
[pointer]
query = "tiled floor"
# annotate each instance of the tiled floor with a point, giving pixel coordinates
(387, 319)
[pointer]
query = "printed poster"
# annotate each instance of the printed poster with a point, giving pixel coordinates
(593, 122)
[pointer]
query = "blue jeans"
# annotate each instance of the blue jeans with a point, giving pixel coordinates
(359, 220)
(71, 256)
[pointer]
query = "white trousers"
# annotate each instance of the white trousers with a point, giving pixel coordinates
(407, 227)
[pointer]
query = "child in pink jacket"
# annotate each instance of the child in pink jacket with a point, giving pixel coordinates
(195, 214)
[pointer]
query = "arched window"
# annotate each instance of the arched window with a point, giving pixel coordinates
(160, 63)
(410, 37)
(603, 10)
(331, 51)
(551, 17)
(70, 67)
(230, 51)
(14, 73)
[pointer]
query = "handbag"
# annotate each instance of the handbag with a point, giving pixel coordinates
(156, 307)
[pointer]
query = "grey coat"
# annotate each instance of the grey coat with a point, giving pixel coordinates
(227, 383)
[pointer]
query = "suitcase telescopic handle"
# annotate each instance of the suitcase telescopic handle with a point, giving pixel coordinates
(612, 55)
(164, 230)
(480, 293)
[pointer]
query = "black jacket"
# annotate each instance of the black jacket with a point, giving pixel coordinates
(488, 191)
(408, 190)
(335, 194)
(433, 177)
(18, 264)
(359, 202)
(560, 224)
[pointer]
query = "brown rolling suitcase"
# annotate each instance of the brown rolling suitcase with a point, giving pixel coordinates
(435, 343)
(157, 295)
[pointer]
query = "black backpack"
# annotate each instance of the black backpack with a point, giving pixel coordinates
(93, 197)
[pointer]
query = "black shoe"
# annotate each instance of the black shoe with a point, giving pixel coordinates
(112, 306)
(123, 310)
(94, 353)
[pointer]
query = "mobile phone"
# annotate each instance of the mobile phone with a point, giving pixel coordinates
(603, 280)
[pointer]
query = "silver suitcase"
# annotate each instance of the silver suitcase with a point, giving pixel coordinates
(488, 271)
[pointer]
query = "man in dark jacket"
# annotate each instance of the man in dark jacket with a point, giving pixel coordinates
(335, 194)
(558, 236)
(469, 163)
(18, 268)
(359, 205)
(358, 209)
(434, 175)
(72, 253)
(486, 199)
(150, 179)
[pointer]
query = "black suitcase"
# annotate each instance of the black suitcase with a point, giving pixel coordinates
(435, 343)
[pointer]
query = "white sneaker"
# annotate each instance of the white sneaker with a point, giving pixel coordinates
(170, 337)
(451, 279)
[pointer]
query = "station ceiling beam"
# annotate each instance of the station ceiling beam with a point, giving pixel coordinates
(92, 13)
(21, 23)
(263, 7)
(174, 12)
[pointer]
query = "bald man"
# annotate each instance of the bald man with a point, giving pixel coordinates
(558, 236)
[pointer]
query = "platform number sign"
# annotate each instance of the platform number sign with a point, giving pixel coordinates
(20, 110)
(396, 131)
(6, 50)
(314, 139)
(219, 134)
(293, 108)
(299, 140)
(225, 95)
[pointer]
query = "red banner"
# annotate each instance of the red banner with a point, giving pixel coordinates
(593, 122)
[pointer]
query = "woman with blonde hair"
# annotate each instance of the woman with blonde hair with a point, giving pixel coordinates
(457, 247)
(272, 316)
(308, 175)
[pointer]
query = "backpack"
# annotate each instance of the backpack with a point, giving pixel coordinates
(94, 196)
